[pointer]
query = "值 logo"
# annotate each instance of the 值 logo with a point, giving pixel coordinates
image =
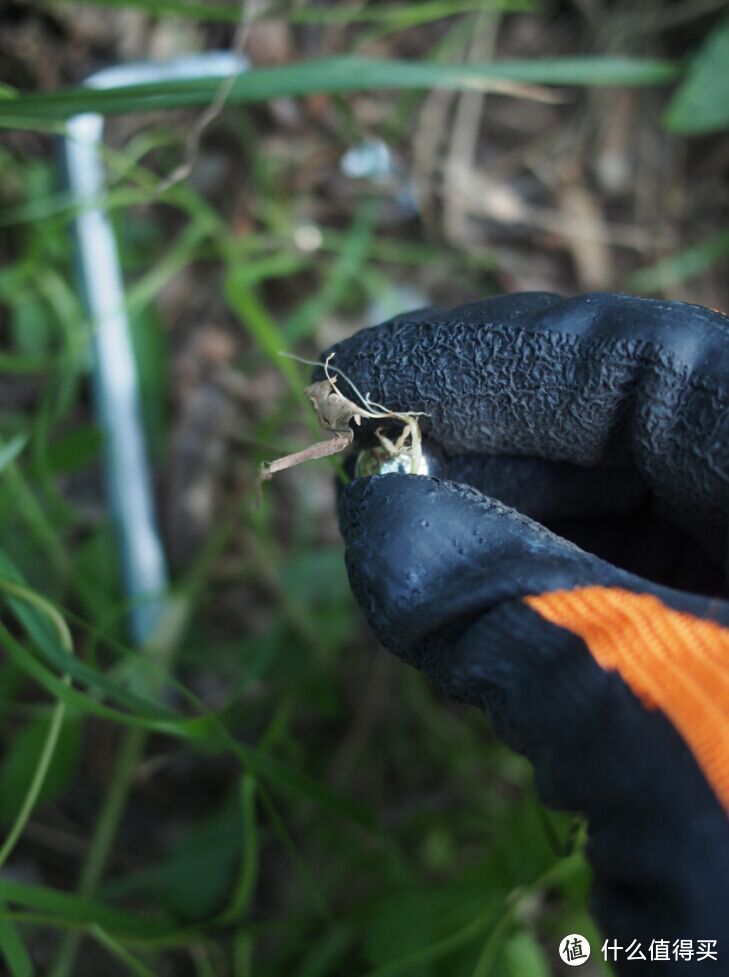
(574, 950)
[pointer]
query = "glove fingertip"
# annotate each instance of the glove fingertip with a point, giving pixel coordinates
(425, 554)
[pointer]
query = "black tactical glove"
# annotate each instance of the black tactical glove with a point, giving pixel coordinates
(601, 426)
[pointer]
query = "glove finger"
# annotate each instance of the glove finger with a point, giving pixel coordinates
(603, 680)
(598, 379)
(425, 555)
(607, 511)
(548, 490)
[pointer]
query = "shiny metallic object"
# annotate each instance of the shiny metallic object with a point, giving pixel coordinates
(378, 461)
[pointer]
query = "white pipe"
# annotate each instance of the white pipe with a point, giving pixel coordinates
(115, 373)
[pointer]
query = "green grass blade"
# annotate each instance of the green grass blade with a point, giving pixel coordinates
(407, 15)
(442, 948)
(10, 451)
(339, 279)
(248, 875)
(702, 102)
(77, 911)
(224, 13)
(205, 727)
(115, 948)
(36, 784)
(41, 623)
(341, 74)
(399, 16)
(256, 319)
(556, 873)
(151, 717)
(54, 727)
(182, 252)
(12, 948)
(682, 266)
(80, 702)
(92, 677)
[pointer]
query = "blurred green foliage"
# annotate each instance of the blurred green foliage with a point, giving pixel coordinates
(430, 855)
(701, 103)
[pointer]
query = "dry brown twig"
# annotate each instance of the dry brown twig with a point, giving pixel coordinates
(250, 11)
(338, 413)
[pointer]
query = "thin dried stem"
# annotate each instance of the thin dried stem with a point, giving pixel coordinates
(337, 413)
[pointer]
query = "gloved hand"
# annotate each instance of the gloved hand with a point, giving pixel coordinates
(585, 475)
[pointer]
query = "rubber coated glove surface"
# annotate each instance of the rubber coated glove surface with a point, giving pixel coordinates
(567, 571)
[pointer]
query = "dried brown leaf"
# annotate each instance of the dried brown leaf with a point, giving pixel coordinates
(334, 411)
(336, 414)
